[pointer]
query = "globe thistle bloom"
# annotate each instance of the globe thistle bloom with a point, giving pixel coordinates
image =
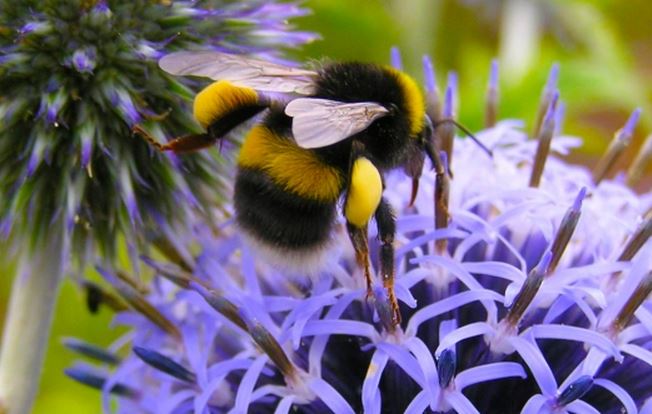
(75, 78)
(523, 284)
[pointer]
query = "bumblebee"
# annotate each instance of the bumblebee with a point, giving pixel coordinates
(328, 135)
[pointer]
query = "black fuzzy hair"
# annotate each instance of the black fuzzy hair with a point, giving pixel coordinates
(387, 138)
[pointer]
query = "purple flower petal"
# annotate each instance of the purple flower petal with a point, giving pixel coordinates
(84, 60)
(284, 405)
(330, 396)
(460, 403)
(580, 407)
(460, 334)
(537, 364)
(169, 405)
(628, 129)
(553, 78)
(305, 311)
(246, 387)
(120, 375)
(548, 122)
(341, 327)
(419, 404)
(489, 372)
(446, 305)
(371, 398)
(428, 367)
(429, 74)
(405, 360)
(455, 269)
(633, 332)
(592, 363)
(438, 234)
(497, 269)
(535, 405)
(449, 105)
(280, 303)
(637, 352)
(196, 356)
(262, 393)
(404, 295)
(618, 392)
(645, 316)
(574, 333)
(249, 272)
(319, 342)
(396, 61)
(560, 113)
(218, 373)
(493, 74)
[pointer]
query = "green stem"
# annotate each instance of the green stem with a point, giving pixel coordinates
(27, 326)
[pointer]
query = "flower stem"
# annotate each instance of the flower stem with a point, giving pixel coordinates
(27, 326)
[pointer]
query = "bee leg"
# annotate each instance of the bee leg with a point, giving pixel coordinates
(359, 239)
(185, 143)
(189, 143)
(386, 230)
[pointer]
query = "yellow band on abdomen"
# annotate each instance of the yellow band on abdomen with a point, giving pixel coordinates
(296, 169)
(220, 98)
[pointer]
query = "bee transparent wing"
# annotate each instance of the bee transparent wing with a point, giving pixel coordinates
(321, 122)
(240, 70)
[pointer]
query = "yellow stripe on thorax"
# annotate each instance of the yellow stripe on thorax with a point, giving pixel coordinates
(219, 98)
(414, 101)
(364, 194)
(297, 170)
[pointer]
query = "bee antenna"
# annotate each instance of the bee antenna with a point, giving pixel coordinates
(467, 132)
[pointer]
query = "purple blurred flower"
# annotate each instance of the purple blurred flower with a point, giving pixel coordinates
(74, 180)
(532, 299)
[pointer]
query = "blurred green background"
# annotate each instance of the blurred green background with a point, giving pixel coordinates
(604, 49)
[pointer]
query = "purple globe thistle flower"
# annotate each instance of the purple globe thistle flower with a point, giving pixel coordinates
(75, 78)
(526, 292)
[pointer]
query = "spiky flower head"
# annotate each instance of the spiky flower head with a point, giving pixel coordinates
(76, 77)
(531, 295)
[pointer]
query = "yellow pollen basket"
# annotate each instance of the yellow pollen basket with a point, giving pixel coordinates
(365, 192)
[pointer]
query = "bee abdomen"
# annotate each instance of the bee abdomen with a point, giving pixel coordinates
(222, 106)
(294, 170)
(278, 219)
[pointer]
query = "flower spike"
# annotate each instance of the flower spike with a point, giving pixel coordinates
(491, 99)
(616, 147)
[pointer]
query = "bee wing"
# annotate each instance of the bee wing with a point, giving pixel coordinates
(321, 122)
(240, 70)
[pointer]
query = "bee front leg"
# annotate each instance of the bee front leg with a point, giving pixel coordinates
(386, 222)
(185, 143)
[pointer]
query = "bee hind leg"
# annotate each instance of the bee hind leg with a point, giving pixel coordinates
(386, 230)
(185, 143)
